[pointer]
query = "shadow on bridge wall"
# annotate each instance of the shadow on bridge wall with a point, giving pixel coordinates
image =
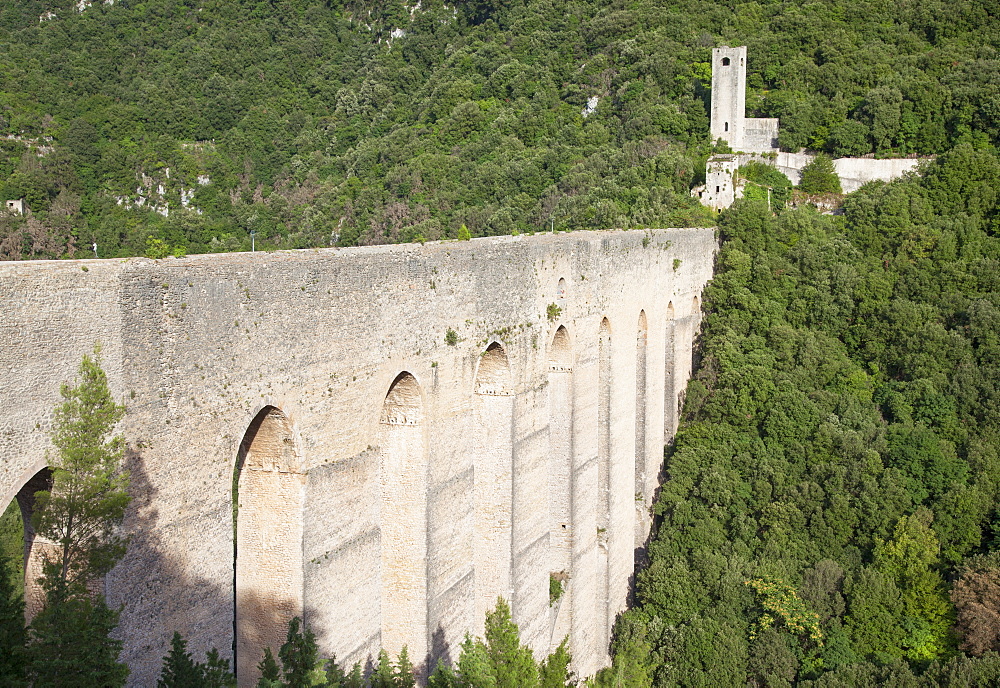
(202, 611)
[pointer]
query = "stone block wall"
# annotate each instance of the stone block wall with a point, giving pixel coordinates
(853, 172)
(429, 472)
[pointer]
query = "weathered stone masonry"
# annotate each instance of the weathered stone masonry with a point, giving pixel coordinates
(390, 485)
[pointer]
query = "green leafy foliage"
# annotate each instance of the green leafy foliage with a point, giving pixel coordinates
(12, 632)
(500, 660)
(819, 176)
(765, 183)
(179, 669)
(270, 673)
(336, 129)
(838, 436)
(12, 547)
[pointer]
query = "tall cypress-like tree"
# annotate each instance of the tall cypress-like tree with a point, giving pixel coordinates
(299, 657)
(179, 669)
(554, 669)
(270, 674)
(216, 672)
(382, 677)
(354, 679)
(404, 670)
(513, 663)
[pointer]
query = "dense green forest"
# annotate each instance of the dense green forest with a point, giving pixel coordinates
(829, 515)
(184, 125)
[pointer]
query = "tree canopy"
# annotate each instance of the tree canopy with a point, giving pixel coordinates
(184, 125)
(837, 461)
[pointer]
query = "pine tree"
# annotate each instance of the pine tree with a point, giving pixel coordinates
(179, 669)
(216, 672)
(513, 664)
(270, 674)
(443, 677)
(70, 644)
(299, 656)
(89, 494)
(69, 638)
(383, 674)
(474, 667)
(554, 671)
(335, 676)
(404, 670)
(354, 679)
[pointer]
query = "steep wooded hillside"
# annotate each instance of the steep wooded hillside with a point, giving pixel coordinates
(183, 125)
(829, 514)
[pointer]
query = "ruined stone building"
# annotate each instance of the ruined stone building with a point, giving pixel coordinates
(407, 431)
(757, 139)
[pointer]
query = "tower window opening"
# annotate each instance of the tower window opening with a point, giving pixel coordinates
(716, 189)
(726, 127)
(725, 62)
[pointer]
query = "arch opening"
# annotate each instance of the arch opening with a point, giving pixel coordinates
(560, 479)
(726, 126)
(25, 550)
(267, 539)
(641, 348)
(493, 376)
(604, 373)
(561, 351)
(403, 518)
(725, 62)
(492, 480)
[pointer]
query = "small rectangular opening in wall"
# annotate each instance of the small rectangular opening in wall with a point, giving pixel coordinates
(716, 189)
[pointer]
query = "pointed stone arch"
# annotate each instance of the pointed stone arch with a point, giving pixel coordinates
(492, 478)
(267, 544)
(670, 375)
(560, 479)
(35, 548)
(493, 373)
(561, 351)
(403, 518)
(641, 387)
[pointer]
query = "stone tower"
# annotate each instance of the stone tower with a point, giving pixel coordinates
(729, 89)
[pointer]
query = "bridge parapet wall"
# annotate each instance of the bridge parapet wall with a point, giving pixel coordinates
(198, 347)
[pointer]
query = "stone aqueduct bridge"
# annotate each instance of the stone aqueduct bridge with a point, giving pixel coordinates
(390, 484)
